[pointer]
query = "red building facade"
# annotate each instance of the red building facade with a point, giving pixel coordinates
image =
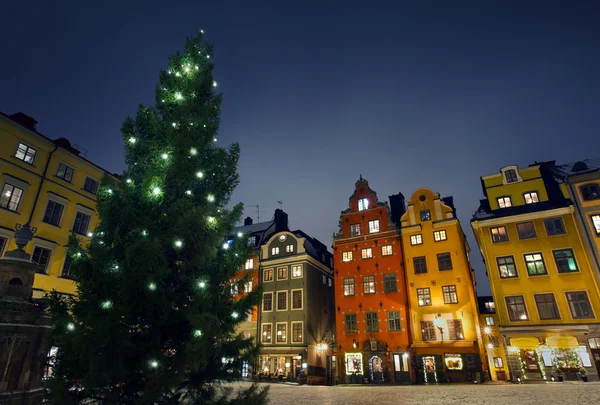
(371, 300)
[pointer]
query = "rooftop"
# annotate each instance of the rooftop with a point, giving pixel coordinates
(561, 172)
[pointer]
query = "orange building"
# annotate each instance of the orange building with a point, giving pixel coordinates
(371, 300)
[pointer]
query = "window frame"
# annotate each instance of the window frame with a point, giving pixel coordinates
(590, 185)
(67, 260)
(503, 198)
(535, 261)
(428, 331)
(66, 171)
(363, 204)
(289, 248)
(292, 291)
(91, 190)
(297, 271)
(526, 237)
(350, 320)
(262, 332)
(422, 266)
(498, 363)
(249, 265)
(369, 281)
(349, 286)
(592, 316)
(421, 294)
(418, 239)
(553, 220)
(292, 340)
(266, 272)
(12, 193)
(61, 213)
(537, 306)
(524, 303)
(25, 154)
(444, 258)
(450, 296)
(87, 228)
(425, 215)
(387, 250)
(514, 263)
(489, 321)
(374, 226)
(286, 292)
(387, 282)
(595, 227)
(355, 230)
(49, 260)
(3, 245)
(498, 228)
(274, 250)
(347, 256)
(460, 330)
(531, 193)
(282, 273)
(372, 325)
(369, 254)
(511, 171)
(277, 341)
(437, 235)
(396, 319)
(558, 270)
(263, 301)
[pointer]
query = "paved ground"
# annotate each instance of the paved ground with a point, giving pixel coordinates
(511, 394)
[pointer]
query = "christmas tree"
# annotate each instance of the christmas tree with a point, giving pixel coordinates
(154, 321)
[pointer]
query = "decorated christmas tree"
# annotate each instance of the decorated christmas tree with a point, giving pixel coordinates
(154, 320)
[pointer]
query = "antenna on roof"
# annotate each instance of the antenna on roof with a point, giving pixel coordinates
(258, 211)
(280, 202)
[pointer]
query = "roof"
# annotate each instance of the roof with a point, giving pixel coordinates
(315, 248)
(254, 228)
(575, 168)
(485, 212)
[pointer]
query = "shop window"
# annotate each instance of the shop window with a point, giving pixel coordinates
(416, 239)
(355, 230)
(444, 261)
(428, 331)
(423, 297)
(389, 282)
(401, 362)
(369, 284)
(420, 264)
(374, 226)
(579, 305)
(506, 267)
(516, 308)
(546, 306)
(535, 264)
(499, 234)
(526, 230)
(504, 202)
(565, 261)
(347, 256)
(594, 343)
(348, 286)
(439, 236)
(372, 322)
(350, 323)
(531, 197)
(454, 361)
(354, 363)
(554, 226)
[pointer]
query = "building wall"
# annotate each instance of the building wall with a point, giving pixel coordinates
(361, 301)
(30, 177)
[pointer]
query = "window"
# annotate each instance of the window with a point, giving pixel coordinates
(498, 362)
(297, 332)
(526, 230)
(348, 286)
(394, 320)
(65, 172)
(363, 204)
(275, 250)
(297, 299)
(282, 299)
(374, 226)
(281, 333)
(282, 273)
(53, 213)
(531, 197)
(425, 215)
(289, 248)
(354, 229)
(444, 261)
(66, 266)
(350, 322)
(420, 265)
(389, 282)
(372, 322)
(546, 306)
(244, 368)
(268, 301)
(297, 271)
(511, 176)
(386, 250)
(91, 185)
(590, 191)
(579, 304)
(499, 234)
(424, 297)
(516, 308)
(506, 266)
(347, 256)
(427, 331)
(565, 260)
(439, 236)
(268, 275)
(366, 253)
(369, 284)
(416, 239)
(41, 257)
(3, 243)
(493, 340)
(491, 305)
(324, 280)
(489, 320)
(596, 223)
(504, 202)
(82, 222)
(329, 282)
(535, 264)
(252, 241)
(25, 153)
(450, 296)
(11, 197)
(266, 332)
(234, 289)
(455, 331)
(249, 264)
(554, 226)
(248, 287)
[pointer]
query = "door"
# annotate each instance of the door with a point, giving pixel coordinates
(531, 364)
(401, 368)
(376, 369)
(429, 370)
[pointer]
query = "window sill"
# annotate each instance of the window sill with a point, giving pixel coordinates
(537, 275)
(65, 180)
(569, 272)
(22, 161)
(9, 210)
(89, 192)
(48, 223)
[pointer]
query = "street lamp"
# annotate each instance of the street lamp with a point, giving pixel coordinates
(354, 343)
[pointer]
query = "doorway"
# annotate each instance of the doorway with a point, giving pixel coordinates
(376, 369)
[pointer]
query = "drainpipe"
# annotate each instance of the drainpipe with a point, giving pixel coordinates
(37, 196)
(407, 306)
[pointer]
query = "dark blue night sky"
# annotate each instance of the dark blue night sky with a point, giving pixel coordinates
(408, 94)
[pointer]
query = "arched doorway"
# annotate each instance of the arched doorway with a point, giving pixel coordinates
(376, 366)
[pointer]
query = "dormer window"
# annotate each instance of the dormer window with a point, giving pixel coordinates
(511, 176)
(504, 202)
(363, 204)
(590, 192)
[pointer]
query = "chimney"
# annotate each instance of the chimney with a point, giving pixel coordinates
(24, 120)
(281, 220)
(449, 201)
(397, 207)
(248, 221)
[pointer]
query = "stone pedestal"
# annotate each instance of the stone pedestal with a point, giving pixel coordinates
(24, 328)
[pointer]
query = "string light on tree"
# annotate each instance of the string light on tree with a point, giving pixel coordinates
(234, 315)
(132, 140)
(165, 156)
(214, 139)
(178, 95)
(156, 191)
(240, 234)
(174, 124)
(129, 181)
(178, 243)
(71, 326)
(90, 234)
(197, 333)
(225, 246)
(193, 151)
(214, 83)
(202, 284)
(153, 364)
(211, 220)
(106, 304)
(210, 198)
(152, 286)
(199, 175)
(188, 192)
(144, 233)
(109, 191)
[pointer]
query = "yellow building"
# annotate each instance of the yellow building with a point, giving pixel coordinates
(492, 340)
(541, 276)
(48, 184)
(444, 320)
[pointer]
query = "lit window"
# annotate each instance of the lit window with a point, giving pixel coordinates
(374, 226)
(369, 284)
(423, 297)
(427, 331)
(268, 301)
(596, 223)
(554, 226)
(531, 197)
(590, 192)
(282, 273)
(82, 223)
(289, 248)
(498, 362)
(281, 333)
(249, 264)
(444, 261)
(297, 331)
(266, 332)
(420, 265)
(41, 257)
(348, 284)
(354, 229)
(248, 287)
(252, 241)
(363, 204)
(526, 230)
(53, 213)
(425, 215)
(65, 172)
(439, 236)
(565, 261)
(25, 153)
(347, 256)
(234, 289)
(504, 202)
(490, 305)
(450, 296)
(453, 362)
(366, 253)
(297, 271)
(516, 308)
(91, 185)
(499, 234)
(386, 250)
(489, 320)
(511, 176)
(506, 266)
(535, 264)
(10, 197)
(416, 239)
(275, 250)
(579, 305)
(268, 275)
